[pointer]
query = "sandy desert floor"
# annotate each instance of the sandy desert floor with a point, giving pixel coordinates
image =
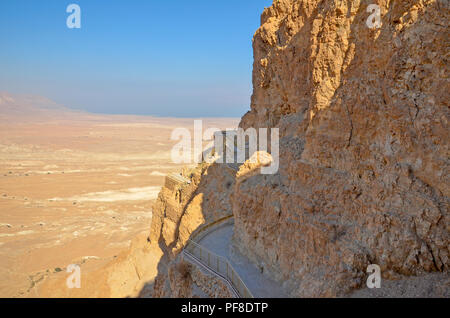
(78, 189)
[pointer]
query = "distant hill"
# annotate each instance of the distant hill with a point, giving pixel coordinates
(27, 107)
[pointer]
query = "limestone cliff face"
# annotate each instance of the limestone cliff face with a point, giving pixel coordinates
(364, 166)
(364, 159)
(196, 197)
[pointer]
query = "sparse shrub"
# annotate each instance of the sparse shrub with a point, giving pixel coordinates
(184, 268)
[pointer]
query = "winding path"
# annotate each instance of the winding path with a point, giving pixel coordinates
(219, 242)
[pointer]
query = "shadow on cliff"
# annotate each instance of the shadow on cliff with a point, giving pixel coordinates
(215, 183)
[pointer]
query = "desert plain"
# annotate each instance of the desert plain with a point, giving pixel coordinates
(75, 187)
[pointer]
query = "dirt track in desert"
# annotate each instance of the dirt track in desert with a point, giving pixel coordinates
(77, 189)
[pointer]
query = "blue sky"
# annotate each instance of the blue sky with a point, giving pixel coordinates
(147, 57)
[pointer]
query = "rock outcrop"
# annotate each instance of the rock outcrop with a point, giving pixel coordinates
(196, 197)
(364, 159)
(185, 280)
(363, 118)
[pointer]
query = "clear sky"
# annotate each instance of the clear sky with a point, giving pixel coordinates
(167, 58)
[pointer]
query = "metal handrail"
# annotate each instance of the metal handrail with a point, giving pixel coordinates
(218, 265)
(199, 263)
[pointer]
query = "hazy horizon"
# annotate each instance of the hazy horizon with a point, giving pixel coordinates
(24, 103)
(203, 69)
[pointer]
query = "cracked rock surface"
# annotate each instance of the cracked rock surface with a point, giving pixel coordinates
(363, 118)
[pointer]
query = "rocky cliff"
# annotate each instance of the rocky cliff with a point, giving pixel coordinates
(194, 198)
(363, 114)
(364, 175)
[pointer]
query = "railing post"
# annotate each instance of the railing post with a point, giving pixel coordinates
(232, 276)
(239, 287)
